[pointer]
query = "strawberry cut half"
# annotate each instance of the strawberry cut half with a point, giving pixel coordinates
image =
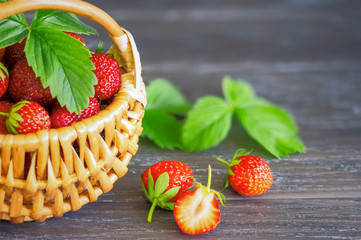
(197, 212)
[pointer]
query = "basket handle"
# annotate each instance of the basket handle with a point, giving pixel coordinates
(78, 7)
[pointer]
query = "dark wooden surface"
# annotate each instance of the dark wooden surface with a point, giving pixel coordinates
(302, 55)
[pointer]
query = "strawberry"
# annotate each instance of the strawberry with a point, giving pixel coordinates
(4, 79)
(164, 182)
(25, 85)
(198, 211)
(107, 71)
(5, 107)
(2, 53)
(76, 36)
(61, 117)
(27, 117)
(248, 175)
(14, 53)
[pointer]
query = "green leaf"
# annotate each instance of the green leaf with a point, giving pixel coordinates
(161, 94)
(237, 91)
(207, 123)
(100, 47)
(273, 128)
(162, 128)
(63, 21)
(161, 184)
(13, 29)
(150, 186)
(168, 205)
(54, 62)
(171, 193)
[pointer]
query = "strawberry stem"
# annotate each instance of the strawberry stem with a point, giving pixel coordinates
(209, 178)
(150, 214)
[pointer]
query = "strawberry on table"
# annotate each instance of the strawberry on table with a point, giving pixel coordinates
(197, 211)
(164, 182)
(61, 117)
(4, 79)
(14, 53)
(107, 71)
(25, 85)
(5, 107)
(248, 175)
(26, 117)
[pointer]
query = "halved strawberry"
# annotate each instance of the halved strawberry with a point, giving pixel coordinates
(198, 211)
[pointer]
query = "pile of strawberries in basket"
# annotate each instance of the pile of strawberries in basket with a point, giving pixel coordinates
(26, 106)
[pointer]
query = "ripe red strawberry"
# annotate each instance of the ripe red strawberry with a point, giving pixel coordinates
(27, 117)
(2, 53)
(25, 85)
(164, 182)
(76, 36)
(61, 117)
(248, 175)
(5, 107)
(4, 79)
(198, 211)
(107, 71)
(14, 53)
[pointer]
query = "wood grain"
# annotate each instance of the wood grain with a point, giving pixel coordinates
(302, 55)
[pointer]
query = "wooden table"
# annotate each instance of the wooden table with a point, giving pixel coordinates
(302, 55)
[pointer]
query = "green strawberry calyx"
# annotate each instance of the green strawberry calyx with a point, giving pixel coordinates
(13, 117)
(156, 194)
(239, 153)
(3, 71)
(207, 188)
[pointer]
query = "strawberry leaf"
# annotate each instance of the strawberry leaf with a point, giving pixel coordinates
(237, 92)
(207, 124)
(161, 184)
(273, 128)
(53, 62)
(63, 21)
(100, 47)
(162, 128)
(168, 205)
(171, 193)
(150, 186)
(13, 29)
(161, 94)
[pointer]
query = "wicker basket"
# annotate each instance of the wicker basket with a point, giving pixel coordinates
(61, 179)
